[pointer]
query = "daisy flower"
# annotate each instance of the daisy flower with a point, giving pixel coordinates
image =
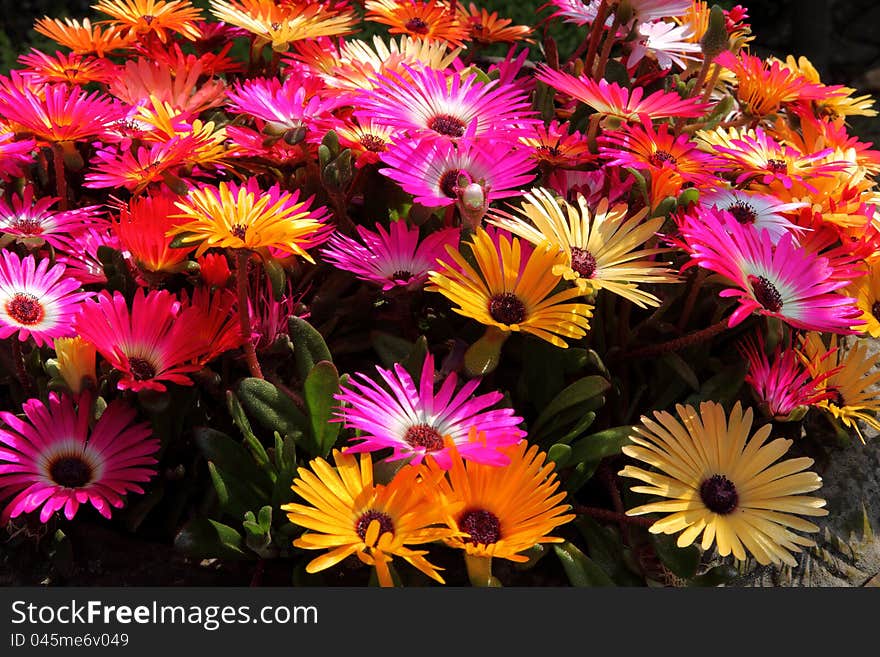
(138, 167)
(666, 43)
(849, 373)
(52, 460)
(36, 300)
(553, 145)
(32, 222)
(391, 258)
(431, 103)
(79, 253)
(15, 155)
(347, 514)
(781, 385)
(512, 288)
(609, 99)
(159, 17)
(724, 482)
(500, 511)
(779, 280)
(573, 11)
(75, 359)
(415, 422)
(431, 20)
(866, 290)
(431, 171)
(600, 246)
(82, 37)
(142, 227)
(838, 100)
(284, 106)
(762, 211)
(246, 217)
(486, 28)
(366, 138)
(71, 69)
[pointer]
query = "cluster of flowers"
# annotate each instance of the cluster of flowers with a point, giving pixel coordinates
(742, 167)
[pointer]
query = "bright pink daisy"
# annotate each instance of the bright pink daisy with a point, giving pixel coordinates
(783, 384)
(415, 422)
(284, 106)
(439, 104)
(79, 253)
(32, 222)
(53, 460)
(138, 167)
(779, 280)
(392, 257)
(36, 300)
(430, 171)
(609, 99)
(15, 156)
(148, 344)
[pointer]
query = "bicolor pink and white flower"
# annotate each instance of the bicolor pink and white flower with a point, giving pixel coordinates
(32, 221)
(761, 211)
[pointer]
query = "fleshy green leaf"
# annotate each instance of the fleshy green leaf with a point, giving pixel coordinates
(320, 386)
(308, 346)
(581, 570)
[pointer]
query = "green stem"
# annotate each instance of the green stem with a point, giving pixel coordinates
(241, 277)
(479, 570)
(60, 176)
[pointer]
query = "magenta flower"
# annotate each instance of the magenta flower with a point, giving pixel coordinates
(430, 170)
(415, 422)
(761, 211)
(52, 460)
(36, 300)
(32, 222)
(779, 280)
(392, 257)
(287, 105)
(80, 254)
(15, 156)
(437, 104)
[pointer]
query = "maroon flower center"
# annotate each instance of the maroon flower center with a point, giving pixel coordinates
(449, 181)
(837, 398)
(743, 212)
(148, 19)
(875, 310)
(482, 525)
(417, 25)
(401, 275)
(239, 230)
(506, 308)
(448, 125)
(363, 523)
(27, 225)
(424, 435)
(141, 369)
(70, 472)
(766, 294)
(25, 309)
(373, 143)
(719, 494)
(583, 262)
(552, 151)
(777, 166)
(658, 157)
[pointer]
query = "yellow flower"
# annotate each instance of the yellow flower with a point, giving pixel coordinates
(348, 514)
(75, 358)
(510, 294)
(866, 291)
(144, 16)
(600, 251)
(723, 483)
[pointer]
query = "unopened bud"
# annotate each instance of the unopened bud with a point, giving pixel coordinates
(715, 40)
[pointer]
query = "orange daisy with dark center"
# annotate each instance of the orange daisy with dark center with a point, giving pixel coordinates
(25, 309)
(417, 25)
(481, 525)
(583, 262)
(70, 472)
(448, 125)
(239, 230)
(423, 435)
(719, 494)
(507, 308)
(766, 294)
(363, 523)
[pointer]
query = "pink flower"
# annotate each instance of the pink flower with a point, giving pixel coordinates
(54, 461)
(32, 222)
(15, 156)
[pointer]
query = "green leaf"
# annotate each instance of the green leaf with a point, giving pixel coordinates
(273, 409)
(241, 421)
(715, 576)
(606, 549)
(682, 562)
(183, 241)
(203, 538)
(308, 346)
(390, 348)
(231, 457)
(577, 393)
(678, 365)
(320, 386)
(415, 360)
(277, 276)
(596, 446)
(560, 454)
(581, 570)
(219, 485)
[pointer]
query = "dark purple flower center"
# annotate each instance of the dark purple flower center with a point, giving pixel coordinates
(658, 157)
(363, 523)
(482, 525)
(141, 369)
(239, 230)
(552, 151)
(583, 262)
(777, 166)
(719, 494)
(448, 125)
(27, 225)
(875, 310)
(373, 143)
(148, 19)
(70, 472)
(743, 212)
(506, 308)
(417, 25)
(401, 275)
(25, 309)
(766, 294)
(837, 398)
(423, 435)
(449, 181)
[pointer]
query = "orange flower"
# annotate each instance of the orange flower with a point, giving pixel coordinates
(486, 29)
(430, 20)
(82, 38)
(141, 17)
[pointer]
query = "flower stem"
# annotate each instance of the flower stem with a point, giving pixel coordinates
(595, 33)
(20, 369)
(60, 176)
(479, 570)
(612, 516)
(241, 277)
(676, 344)
(606, 48)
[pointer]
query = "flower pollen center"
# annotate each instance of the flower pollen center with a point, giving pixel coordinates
(70, 472)
(424, 435)
(449, 181)
(401, 275)
(25, 309)
(363, 523)
(506, 308)
(27, 225)
(417, 25)
(373, 143)
(141, 369)
(777, 166)
(719, 494)
(743, 212)
(658, 157)
(239, 231)
(482, 525)
(766, 294)
(583, 262)
(448, 125)
(875, 310)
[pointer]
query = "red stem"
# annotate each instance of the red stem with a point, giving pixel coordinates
(244, 317)
(60, 177)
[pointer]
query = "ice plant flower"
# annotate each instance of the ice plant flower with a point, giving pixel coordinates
(609, 99)
(866, 291)
(347, 513)
(554, 146)
(393, 257)
(432, 20)
(15, 155)
(36, 301)
(285, 107)
(512, 288)
(142, 227)
(75, 360)
(138, 167)
(778, 280)
(71, 69)
(761, 211)
(246, 217)
(721, 481)
(82, 37)
(486, 28)
(500, 511)
(431, 172)
(849, 373)
(52, 461)
(600, 245)
(159, 17)
(666, 43)
(415, 422)
(32, 222)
